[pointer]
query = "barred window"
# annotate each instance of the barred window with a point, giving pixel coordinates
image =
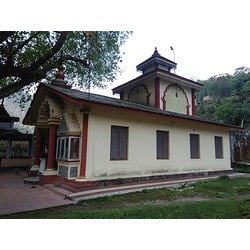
(162, 144)
(194, 146)
(119, 143)
(218, 147)
(67, 148)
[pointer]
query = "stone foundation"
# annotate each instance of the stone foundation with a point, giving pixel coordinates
(75, 186)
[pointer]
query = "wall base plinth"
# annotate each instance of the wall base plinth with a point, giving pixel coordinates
(73, 185)
(81, 179)
(46, 179)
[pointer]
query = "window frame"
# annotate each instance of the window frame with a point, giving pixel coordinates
(162, 157)
(118, 153)
(194, 155)
(220, 151)
(61, 152)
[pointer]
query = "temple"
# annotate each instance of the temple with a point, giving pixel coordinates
(84, 140)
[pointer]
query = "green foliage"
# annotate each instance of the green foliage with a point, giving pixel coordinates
(241, 168)
(29, 57)
(229, 99)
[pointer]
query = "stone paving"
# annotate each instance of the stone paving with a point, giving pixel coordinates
(15, 196)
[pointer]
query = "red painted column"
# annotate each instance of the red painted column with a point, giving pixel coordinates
(38, 146)
(193, 102)
(157, 92)
(52, 146)
(84, 146)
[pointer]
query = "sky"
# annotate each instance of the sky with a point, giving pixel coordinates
(209, 37)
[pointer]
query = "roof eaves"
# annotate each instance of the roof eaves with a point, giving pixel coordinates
(139, 107)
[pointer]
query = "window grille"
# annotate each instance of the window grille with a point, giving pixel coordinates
(194, 146)
(119, 143)
(162, 144)
(218, 147)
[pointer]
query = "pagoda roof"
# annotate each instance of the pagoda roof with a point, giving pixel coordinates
(163, 75)
(5, 117)
(156, 61)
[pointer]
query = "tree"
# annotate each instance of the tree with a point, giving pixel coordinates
(29, 57)
(230, 102)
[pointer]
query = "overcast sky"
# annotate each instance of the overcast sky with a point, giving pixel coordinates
(209, 37)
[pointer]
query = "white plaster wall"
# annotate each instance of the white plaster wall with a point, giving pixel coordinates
(140, 97)
(142, 146)
(173, 103)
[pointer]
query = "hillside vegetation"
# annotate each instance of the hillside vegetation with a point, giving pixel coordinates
(226, 98)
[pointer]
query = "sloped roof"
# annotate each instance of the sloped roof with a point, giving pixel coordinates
(81, 97)
(5, 117)
(14, 135)
(162, 74)
(155, 59)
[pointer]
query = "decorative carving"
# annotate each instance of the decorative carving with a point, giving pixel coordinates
(55, 108)
(148, 94)
(177, 86)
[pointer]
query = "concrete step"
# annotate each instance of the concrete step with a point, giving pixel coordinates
(32, 180)
(58, 190)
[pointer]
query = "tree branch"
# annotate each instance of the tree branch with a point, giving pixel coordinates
(44, 58)
(11, 70)
(15, 87)
(5, 34)
(75, 59)
(20, 46)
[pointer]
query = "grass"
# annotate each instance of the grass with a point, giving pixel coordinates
(219, 198)
(242, 167)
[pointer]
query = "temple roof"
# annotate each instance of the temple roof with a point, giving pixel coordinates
(14, 134)
(89, 99)
(156, 61)
(182, 81)
(5, 117)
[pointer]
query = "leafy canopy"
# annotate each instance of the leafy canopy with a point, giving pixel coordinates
(229, 100)
(29, 57)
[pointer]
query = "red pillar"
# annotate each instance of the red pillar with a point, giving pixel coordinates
(52, 146)
(38, 146)
(157, 92)
(193, 102)
(84, 146)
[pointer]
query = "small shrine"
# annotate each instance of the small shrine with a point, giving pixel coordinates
(15, 147)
